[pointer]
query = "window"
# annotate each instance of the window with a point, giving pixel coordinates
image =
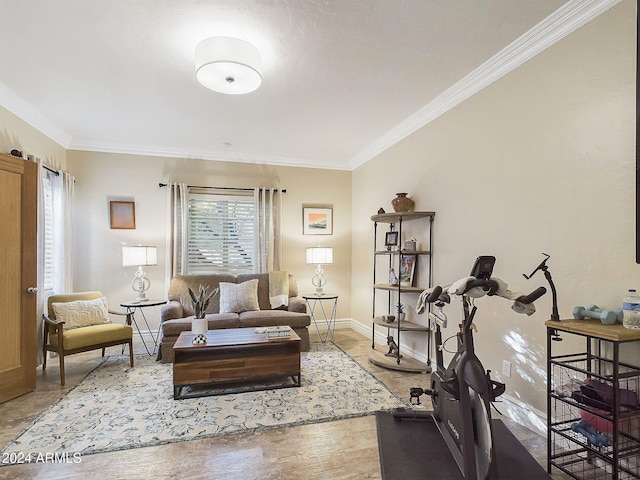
(56, 211)
(221, 231)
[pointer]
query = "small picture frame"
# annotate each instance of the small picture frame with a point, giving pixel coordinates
(391, 240)
(317, 221)
(122, 215)
(407, 270)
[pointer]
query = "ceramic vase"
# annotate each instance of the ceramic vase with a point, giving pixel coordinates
(199, 326)
(402, 203)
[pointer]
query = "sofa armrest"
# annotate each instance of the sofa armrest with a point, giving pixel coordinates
(171, 310)
(297, 305)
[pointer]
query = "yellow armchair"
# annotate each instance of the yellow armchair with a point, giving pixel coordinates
(83, 338)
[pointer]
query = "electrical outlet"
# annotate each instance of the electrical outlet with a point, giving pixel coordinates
(506, 368)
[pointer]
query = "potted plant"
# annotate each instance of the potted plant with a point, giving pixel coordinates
(400, 309)
(199, 324)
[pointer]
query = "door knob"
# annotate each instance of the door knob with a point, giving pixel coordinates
(32, 290)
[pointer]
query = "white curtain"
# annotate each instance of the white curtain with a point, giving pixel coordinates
(41, 296)
(63, 232)
(54, 238)
(268, 248)
(177, 253)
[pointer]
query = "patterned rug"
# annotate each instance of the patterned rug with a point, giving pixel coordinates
(117, 407)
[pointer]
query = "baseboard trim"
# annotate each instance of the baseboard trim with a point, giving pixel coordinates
(510, 407)
(340, 324)
(523, 414)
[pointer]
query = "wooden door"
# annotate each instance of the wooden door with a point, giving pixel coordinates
(18, 264)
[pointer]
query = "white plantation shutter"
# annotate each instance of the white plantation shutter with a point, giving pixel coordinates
(48, 277)
(221, 233)
(222, 230)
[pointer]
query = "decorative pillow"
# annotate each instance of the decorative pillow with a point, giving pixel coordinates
(240, 297)
(82, 313)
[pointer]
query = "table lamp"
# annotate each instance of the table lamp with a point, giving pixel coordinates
(140, 256)
(319, 256)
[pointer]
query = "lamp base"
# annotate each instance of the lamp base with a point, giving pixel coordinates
(142, 297)
(140, 284)
(319, 280)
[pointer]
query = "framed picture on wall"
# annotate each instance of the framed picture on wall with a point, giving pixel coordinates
(122, 215)
(317, 221)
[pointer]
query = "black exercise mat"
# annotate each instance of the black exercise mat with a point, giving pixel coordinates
(414, 450)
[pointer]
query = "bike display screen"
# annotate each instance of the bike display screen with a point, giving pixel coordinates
(483, 267)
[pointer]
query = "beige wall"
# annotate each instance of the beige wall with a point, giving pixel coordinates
(101, 177)
(18, 134)
(543, 160)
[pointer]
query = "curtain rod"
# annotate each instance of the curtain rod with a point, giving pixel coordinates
(284, 190)
(55, 172)
(18, 154)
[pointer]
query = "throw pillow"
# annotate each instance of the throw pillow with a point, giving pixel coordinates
(238, 298)
(82, 313)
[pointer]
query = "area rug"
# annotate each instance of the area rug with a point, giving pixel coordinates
(117, 407)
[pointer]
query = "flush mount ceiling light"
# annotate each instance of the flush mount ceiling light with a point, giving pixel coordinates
(228, 65)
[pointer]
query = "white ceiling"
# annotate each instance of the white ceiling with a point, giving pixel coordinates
(342, 79)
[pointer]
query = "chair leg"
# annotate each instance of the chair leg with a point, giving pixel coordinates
(103, 350)
(61, 355)
(131, 351)
(45, 340)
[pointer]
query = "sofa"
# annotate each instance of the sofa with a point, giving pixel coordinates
(177, 314)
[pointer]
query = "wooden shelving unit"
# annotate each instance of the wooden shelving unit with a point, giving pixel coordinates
(395, 360)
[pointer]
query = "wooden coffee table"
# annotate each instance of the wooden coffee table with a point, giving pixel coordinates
(235, 355)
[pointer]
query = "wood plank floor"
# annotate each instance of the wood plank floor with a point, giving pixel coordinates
(345, 449)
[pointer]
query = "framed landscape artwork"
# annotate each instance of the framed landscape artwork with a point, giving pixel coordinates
(407, 270)
(317, 221)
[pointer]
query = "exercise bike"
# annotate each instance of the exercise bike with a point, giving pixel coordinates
(462, 392)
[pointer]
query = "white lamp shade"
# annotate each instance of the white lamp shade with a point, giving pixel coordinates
(228, 65)
(319, 255)
(138, 255)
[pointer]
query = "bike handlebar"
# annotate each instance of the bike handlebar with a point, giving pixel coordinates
(492, 287)
(487, 284)
(532, 297)
(433, 296)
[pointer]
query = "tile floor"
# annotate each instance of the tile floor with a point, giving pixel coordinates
(345, 449)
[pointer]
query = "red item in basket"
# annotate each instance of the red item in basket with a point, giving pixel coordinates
(600, 424)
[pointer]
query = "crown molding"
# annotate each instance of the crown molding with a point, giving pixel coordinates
(203, 154)
(558, 25)
(28, 113)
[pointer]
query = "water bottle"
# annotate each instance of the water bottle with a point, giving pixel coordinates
(631, 310)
